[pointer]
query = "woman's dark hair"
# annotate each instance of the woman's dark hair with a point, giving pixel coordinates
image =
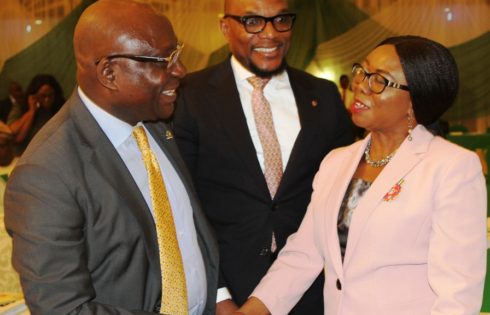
(431, 73)
(41, 79)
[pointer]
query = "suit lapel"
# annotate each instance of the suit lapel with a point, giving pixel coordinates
(336, 195)
(104, 157)
(306, 102)
(409, 154)
(165, 139)
(232, 120)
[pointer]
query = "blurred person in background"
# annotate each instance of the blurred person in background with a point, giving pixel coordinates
(44, 97)
(15, 99)
(345, 91)
(9, 279)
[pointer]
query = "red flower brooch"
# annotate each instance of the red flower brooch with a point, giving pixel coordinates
(394, 191)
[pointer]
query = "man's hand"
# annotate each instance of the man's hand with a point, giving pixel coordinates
(253, 306)
(226, 307)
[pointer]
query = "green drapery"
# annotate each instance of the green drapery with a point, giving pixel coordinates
(52, 53)
(474, 93)
(320, 23)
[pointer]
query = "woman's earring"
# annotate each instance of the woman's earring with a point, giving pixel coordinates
(410, 124)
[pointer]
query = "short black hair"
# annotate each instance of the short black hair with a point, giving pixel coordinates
(431, 73)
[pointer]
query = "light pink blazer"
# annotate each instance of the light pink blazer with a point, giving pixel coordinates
(423, 252)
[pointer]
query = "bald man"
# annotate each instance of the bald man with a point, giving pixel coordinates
(79, 206)
(220, 136)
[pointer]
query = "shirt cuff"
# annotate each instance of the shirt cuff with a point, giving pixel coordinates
(223, 294)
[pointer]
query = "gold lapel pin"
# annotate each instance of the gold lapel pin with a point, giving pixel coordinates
(169, 135)
(314, 103)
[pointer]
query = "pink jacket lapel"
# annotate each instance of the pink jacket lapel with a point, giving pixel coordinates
(407, 157)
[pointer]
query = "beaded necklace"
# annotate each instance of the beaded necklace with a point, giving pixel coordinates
(378, 163)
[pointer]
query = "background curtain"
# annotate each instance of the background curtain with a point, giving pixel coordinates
(329, 35)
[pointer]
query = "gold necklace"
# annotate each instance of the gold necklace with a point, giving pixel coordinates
(378, 163)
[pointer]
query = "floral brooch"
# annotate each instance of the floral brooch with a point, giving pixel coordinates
(394, 191)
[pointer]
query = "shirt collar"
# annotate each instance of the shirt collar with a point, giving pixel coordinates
(116, 130)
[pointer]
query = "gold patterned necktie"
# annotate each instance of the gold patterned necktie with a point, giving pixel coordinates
(267, 134)
(174, 290)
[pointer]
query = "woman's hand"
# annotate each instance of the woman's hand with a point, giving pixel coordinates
(33, 102)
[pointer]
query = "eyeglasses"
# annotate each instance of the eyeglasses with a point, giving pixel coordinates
(165, 62)
(376, 82)
(255, 23)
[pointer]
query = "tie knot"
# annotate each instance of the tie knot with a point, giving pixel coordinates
(141, 138)
(258, 82)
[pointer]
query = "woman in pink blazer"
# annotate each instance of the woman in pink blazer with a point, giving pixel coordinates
(397, 221)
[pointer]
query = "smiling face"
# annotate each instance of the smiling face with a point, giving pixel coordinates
(132, 90)
(148, 88)
(262, 53)
(388, 111)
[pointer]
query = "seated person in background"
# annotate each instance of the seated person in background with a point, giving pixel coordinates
(396, 220)
(15, 99)
(6, 152)
(44, 99)
(9, 279)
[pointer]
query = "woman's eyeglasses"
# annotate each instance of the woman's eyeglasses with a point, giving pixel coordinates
(376, 82)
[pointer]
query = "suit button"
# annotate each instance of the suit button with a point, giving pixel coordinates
(274, 206)
(338, 285)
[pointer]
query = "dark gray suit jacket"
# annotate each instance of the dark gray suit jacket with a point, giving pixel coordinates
(214, 139)
(84, 238)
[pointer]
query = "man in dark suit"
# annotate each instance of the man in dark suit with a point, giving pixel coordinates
(216, 130)
(80, 205)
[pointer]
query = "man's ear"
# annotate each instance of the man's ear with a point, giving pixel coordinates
(106, 74)
(225, 28)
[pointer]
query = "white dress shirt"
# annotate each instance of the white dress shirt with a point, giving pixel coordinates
(279, 94)
(285, 115)
(120, 135)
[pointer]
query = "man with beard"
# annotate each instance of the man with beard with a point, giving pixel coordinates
(253, 151)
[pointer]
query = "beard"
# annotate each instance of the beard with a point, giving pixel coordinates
(267, 73)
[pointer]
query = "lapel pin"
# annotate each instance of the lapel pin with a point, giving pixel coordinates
(394, 191)
(314, 103)
(168, 135)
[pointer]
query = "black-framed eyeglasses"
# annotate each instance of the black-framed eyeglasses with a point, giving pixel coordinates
(376, 82)
(255, 23)
(165, 62)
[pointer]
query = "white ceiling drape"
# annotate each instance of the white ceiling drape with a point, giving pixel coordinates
(450, 22)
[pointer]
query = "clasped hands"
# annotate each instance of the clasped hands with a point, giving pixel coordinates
(253, 306)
